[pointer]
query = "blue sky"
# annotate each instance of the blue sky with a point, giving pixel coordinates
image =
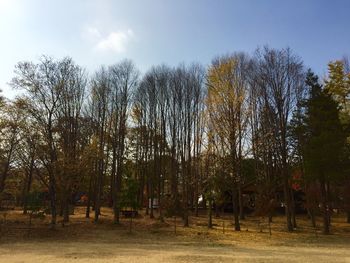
(151, 32)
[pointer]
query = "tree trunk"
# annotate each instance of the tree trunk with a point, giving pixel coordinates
(240, 200)
(160, 190)
(196, 203)
(217, 211)
(147, 198)
(52, 191)
(270, 218)
(98, 192)
(326, 227)
(27, 186)
(286, 188)
(116, 201)
(185, 201)
(87, 214)
(161, 218)
(204, 203)
(312, 217)
(66, 209)
(235, 211)
(287, 204)
(210, 212)
(131, 220)
(151, 215)
(294, 221)
(3, 176)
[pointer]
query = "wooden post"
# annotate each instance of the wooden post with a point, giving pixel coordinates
(223, 226)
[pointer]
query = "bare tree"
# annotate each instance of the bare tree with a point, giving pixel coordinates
(11, 124)
(99, 109)
(281, 78)
(68, 126)
(123, 79)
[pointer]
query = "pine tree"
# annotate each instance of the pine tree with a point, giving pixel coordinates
(324, 142)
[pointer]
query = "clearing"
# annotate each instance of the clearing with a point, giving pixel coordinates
(151, 241)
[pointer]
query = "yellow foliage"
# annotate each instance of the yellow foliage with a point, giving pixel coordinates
(338, 83)
(226, 97)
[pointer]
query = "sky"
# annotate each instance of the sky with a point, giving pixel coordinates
(152, 32)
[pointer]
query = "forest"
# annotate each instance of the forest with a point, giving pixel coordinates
(249, 135)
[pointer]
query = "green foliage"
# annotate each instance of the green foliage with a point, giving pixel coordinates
(35, 204)
(248, 170)
(324, 134)
(129, 194)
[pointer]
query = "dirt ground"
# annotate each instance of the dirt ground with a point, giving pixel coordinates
(152, 241)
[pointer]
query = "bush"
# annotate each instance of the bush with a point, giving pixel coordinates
(35, 206)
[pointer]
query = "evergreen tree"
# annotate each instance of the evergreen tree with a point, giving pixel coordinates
(324, 142)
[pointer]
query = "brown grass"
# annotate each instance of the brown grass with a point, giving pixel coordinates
(151, 241)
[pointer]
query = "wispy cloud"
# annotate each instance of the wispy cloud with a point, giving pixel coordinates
(93, 33)
(115, 41)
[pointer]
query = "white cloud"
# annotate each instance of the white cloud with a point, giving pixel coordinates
(115, 41)
(93, 33)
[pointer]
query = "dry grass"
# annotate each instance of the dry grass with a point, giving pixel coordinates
(151, 241)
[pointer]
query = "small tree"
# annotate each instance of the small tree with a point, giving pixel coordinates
(129, 197)
(35, 205)
(173, 208)
(211, 194)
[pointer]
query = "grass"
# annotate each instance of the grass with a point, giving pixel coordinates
(151, 241)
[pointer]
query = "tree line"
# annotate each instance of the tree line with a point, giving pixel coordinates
(184, 137)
